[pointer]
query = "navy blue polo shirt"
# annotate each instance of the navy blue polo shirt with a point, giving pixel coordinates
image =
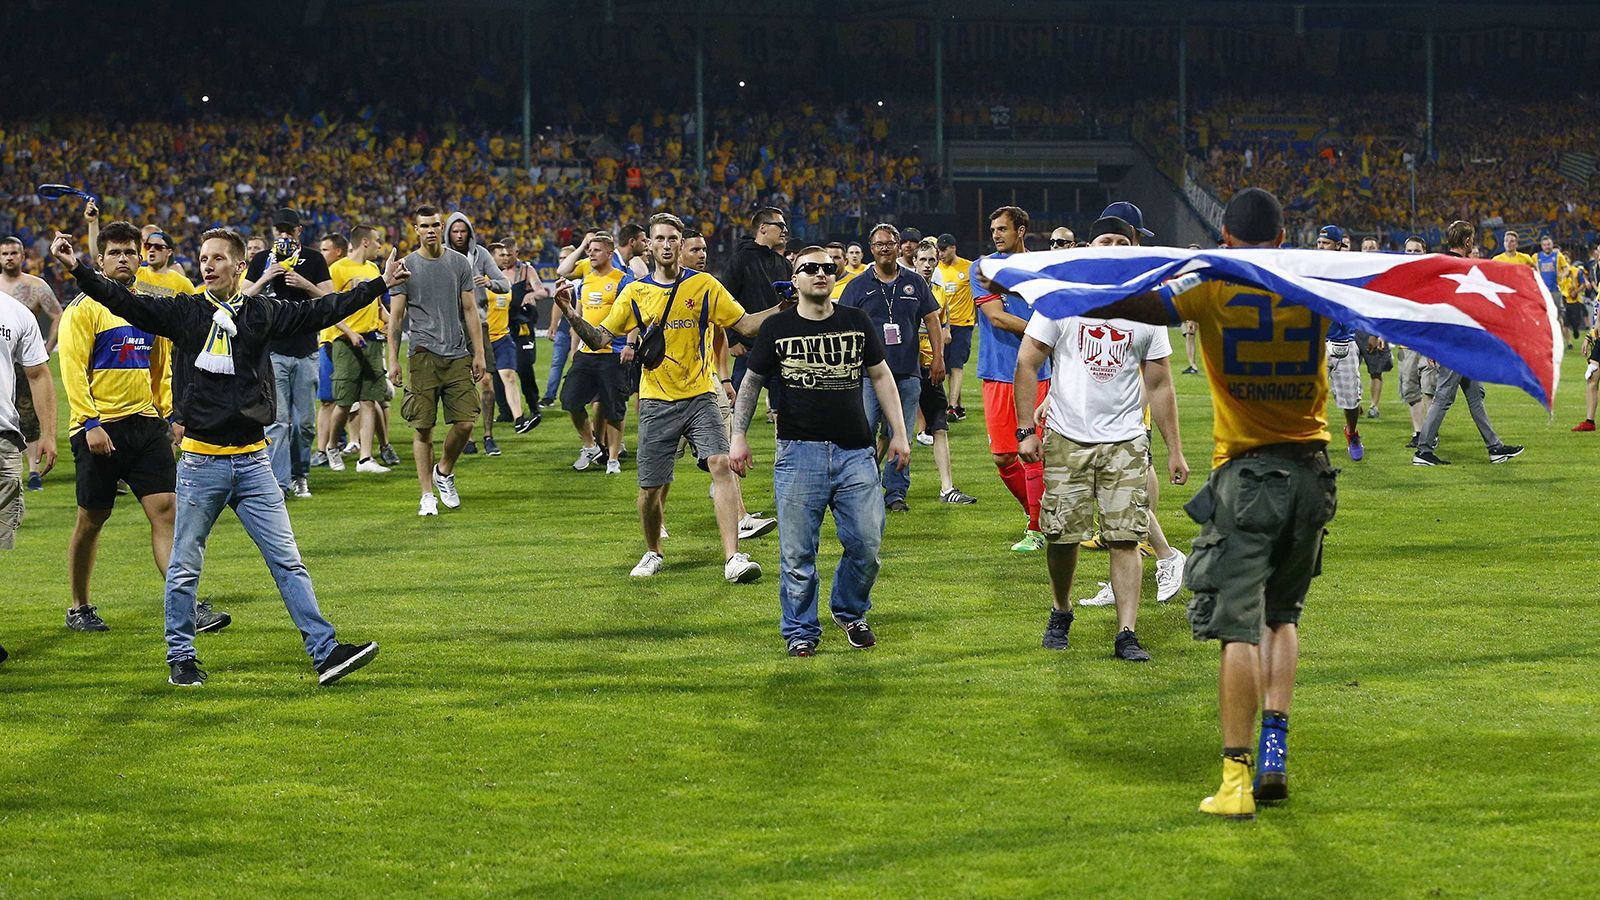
(905, 303)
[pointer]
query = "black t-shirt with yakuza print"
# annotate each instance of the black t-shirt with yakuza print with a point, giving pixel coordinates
(822, 365)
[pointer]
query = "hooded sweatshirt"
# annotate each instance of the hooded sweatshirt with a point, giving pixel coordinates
(482, 264)
(749, 278)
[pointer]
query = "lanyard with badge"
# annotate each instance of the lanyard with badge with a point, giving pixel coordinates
(891, 328)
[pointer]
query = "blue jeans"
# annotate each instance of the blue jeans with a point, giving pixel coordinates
(808, 478)
(561, 345)
(244, 482)
(289, 439)
(895, 482)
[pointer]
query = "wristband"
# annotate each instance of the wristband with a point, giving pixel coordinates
(727, 381)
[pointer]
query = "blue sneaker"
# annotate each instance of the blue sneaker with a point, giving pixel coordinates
(1353, 438)
(1272, 758)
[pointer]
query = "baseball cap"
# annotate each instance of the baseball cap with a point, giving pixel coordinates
(1111, 225)
(288, 218)
(946, 240)
(910, 234)
(1331, 232)
(1129, 213)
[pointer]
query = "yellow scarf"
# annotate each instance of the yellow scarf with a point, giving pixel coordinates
(218, 353)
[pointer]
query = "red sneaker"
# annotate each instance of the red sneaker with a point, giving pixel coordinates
(1585, 425)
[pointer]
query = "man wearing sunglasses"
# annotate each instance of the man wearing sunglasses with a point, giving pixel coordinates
(824, 353)
(756, 265)
(1062, 238)
(159, 276)
(899, 303)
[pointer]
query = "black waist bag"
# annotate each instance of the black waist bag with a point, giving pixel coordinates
(652, 350)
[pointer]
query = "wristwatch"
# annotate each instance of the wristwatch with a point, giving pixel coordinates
(1025, 433)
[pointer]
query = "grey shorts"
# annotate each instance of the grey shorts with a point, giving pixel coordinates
(1416, 379)
(12, 465)
(1344, 374)
(663, 422)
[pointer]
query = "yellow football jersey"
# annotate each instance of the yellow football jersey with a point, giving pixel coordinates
(1266, 363)
(346, 274)
(595, 299)
(957, 299)
(170, 283)
(688, 369)
(499, 315)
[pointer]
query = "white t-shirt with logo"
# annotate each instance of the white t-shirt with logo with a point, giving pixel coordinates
(1097, 389)
(20, 344)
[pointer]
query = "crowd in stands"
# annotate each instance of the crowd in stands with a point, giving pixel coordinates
(1495, 161)
(824, 165)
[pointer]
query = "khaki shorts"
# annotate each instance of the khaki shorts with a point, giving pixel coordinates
(433, 380)
(1083, 479)
(1416, 379)
(1262, 519)
(12, 465)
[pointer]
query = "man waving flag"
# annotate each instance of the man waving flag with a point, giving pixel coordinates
(1493, 321)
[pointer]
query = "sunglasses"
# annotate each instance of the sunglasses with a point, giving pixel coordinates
(150, 246)
(781, 226)
(817, 268)
(1060, 242)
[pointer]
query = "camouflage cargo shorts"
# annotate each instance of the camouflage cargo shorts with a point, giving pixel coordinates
(1081, 480)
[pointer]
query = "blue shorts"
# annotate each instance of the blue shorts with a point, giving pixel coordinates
(505, 353)
(959, 350)
(324, 374)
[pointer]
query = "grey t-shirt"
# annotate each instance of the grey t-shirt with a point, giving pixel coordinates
(433, 302)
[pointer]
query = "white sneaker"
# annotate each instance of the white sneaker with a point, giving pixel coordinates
(429, 506)
(754, 526)
(586, 458)
(446, 486)
(1169, 575)
(614, 467)
(649, 564)
(740, 569)
(300, 488)
(352, 447)
(335, 459)
(925, 439)
(371, 466)
(1104, 598)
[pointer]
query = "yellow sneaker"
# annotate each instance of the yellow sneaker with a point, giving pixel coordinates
(1094, 543)
(1233, 800)
(1146, 549)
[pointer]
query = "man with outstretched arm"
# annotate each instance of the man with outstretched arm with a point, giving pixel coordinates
(1269, 498)
(676, 397)
(825, 459)
(220, 340)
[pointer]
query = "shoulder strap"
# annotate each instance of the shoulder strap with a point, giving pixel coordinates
(671, 296)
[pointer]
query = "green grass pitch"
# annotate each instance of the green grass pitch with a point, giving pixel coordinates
(539, 723)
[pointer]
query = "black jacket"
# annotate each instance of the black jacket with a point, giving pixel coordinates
(227, 410)
(749, 279)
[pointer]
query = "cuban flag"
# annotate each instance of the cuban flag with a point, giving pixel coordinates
(1490, 321)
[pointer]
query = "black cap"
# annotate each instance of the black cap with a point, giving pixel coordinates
(946, 240)
(910, 234)
(287, 218)
(1112, 225)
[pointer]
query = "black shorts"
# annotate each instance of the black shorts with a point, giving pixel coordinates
(596, 376)
(143, 459)
(1594, 351)
(27, 419)
(959, 350)
(1576, 314)
(935, 405)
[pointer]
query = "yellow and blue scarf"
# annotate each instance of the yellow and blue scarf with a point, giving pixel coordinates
(218, 353)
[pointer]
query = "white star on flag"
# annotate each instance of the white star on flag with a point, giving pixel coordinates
(1474, 282)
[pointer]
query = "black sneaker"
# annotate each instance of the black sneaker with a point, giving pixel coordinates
(344, 659)
(1055, 632)
(1190, 370)
(470, 449)
(1502, 452)
(389, 457)
(527, 423)
(546, 402)
(207, 619)
(3, 654)
(490, 447)
(1428, 458)
(802, 647)
(187, 673)
(1412, 444)
(1128, 649)
(84, 618)
(897, 506)
(858, 633)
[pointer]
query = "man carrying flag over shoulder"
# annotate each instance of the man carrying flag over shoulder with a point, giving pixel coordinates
(1263, 313)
